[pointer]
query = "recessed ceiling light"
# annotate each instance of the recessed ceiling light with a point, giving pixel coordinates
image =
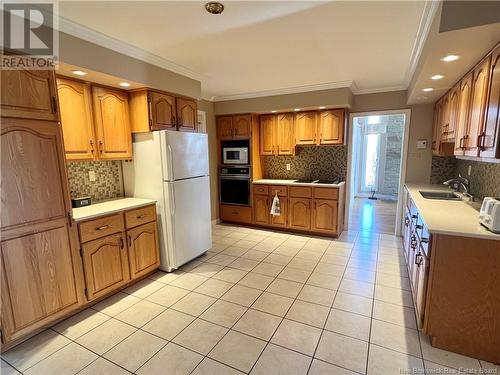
(435, 77)
(273, 111)
(124, 84)
(297, 109)
(322, 107)
(214, 7)
(79, 72)
(427, 89)
(450, 58)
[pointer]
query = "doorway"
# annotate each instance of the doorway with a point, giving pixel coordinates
(377, 149)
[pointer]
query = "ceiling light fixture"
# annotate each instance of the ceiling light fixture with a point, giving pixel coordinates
(214, 7)
(124, 84)
(322, 107)
(435, 77)
(297, 109)
(427, 89)
(450, 58)
(79, 72)
(273, 111)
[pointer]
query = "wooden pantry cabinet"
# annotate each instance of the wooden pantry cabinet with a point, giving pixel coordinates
(95, 121)
(118, 248)
(41, 278)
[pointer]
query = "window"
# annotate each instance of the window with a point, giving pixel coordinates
(370, 162)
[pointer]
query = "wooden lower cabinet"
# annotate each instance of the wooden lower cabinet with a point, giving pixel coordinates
(299, 216)
(236, 214)
(143, 249)
(261, 209)
(105, 262)
(324, 215)
(281, 220)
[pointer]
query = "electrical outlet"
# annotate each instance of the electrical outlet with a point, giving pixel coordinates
(288, 166)
(469, 170)
(92, 176)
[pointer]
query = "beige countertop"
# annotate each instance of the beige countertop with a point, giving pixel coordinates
(267, 181)
(455, 218)
(109, 207)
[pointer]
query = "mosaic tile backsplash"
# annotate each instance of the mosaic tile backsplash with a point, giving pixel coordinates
(313, 162)
(108, 183)
(484, 178)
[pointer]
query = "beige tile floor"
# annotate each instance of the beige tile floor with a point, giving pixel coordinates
(258, 302)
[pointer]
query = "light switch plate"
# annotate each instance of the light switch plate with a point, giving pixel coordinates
(288, 166)
(422, 144)
(92, 176)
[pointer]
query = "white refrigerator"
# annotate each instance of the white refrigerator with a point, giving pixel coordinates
(172, 167)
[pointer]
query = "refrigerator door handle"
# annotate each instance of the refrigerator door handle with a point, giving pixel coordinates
(172, 199)
(170, 162)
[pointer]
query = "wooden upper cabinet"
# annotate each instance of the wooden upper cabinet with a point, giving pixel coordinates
(143, 247)
(29, 94)
(463, 114)
(106, 265)
(38, 278)
(35, 186)
(187, 114)
(299, 213)
(331, 127)
(285, 137)
(225, 127)
(477, 106)
(453, 105)
(324, 215)
(242, 125)
(306, 128)
(444, 120)
(114, 139)
(75, 105)
(162, 111)
(267, 134)
(436, 128)
(490, 138)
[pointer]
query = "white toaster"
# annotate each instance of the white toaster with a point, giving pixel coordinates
(489, 215)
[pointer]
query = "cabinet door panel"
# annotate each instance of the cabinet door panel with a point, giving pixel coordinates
(453, 112)
(422, 269)
(261, 209)
(463, 114)
(490, 146)
(305, 128)
(187, 114)
(38, 278)
(225, 127)
(299, 213)
(242, 125)
(331, 127)
(36, 187)
(75, 102)
(279, 221)
(436, 129)
(162, 111)
(112, 123)
(29, 94)
(324, 216)
(267, 134)
(143, 249)
(106, 265)
(285, 137)
(477, 106)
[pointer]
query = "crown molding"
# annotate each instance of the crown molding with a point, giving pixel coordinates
(430, 10)
(75, 29)
(380, 89)
(285, 90)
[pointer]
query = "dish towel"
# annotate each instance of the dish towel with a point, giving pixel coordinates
(275, 207)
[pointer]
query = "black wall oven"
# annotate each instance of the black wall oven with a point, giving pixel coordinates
(234, 183)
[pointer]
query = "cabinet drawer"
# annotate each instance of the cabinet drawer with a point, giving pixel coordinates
(326, 193)
(300, 191)
(261, 189)
(140, 216)
(281, 190)
(239, 214)
(97, 228)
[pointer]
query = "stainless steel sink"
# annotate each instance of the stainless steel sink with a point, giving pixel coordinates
(442, 195)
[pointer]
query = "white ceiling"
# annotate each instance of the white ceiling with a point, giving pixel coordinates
(265, 47)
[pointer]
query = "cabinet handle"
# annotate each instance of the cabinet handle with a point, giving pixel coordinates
(419, 226)
(179, 121)
(418, 259)
(121, 242)
(54, 105)
(424, 240)
(482, 141)
(140, 216)
(414, 216)
(100, 146)
(102, 227)
(129, 241)
(407, 221)
(91, 145)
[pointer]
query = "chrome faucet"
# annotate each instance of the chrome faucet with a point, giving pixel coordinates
(457, 183)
